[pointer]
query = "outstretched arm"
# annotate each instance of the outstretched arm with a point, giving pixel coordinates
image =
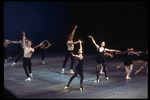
(121, 52)
(93, 41)
(134, 53)
(48, 44)
(75, 55)
(112, 50)
(74, 30)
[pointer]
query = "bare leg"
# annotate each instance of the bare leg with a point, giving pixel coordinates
(144, 65)
(119, 66)
(129, 72)
(101, 72)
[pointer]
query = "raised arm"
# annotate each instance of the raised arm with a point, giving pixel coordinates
(23, 32)
(48, 44)
(74, 30)
(93, 41)
(80, 44)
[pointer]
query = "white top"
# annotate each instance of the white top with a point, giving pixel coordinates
(70, 45)
(27, 53)
(27, 50)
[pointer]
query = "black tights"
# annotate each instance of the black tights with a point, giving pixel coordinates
(27, 62)
(68, 54)
(74, 75)
(98, 70)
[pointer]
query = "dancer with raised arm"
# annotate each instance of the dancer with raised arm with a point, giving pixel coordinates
(128, 61)
(145, 61)
(39, 49)
(101, 58)
(70, 48)
(28, 50)
(79, 68)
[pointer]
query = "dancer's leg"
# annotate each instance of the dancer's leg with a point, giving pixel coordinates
(97, 72)
(129, 72)
(104, 68)
(143, 65)
(81, 80)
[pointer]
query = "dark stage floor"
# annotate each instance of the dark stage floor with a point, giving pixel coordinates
(48, 82)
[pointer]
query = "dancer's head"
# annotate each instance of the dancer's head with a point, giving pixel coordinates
(29, 43)
(102, 43)
(70, 36)
(130, 49)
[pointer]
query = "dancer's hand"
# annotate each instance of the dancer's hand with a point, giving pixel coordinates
(90, 36)
(23, 32)
(76, 26)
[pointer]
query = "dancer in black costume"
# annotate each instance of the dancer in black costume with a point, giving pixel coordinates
(39, 49)
(145, 61)
(79, 68)
(128, 61)
(101, 58)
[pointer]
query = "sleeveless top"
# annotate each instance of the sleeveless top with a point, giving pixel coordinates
(79, 67)
(70, 47)
(100, 56)
(128, 60)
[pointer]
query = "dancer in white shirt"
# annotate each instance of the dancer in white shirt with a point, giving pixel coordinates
(28, 50)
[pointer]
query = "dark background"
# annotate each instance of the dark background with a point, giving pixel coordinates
(119, 24)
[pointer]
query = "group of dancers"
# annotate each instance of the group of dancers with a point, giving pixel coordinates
(27, 52)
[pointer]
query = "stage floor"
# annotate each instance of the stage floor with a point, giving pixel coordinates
(48, 82)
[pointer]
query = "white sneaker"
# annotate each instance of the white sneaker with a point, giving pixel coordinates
(31, 75)
(107, 78)
(65, 87)
(63, 70)
(28, 79)
(96, 80)
(43, 62)
(71, 71)
(9, 58)
(13, 64)
(5, 60)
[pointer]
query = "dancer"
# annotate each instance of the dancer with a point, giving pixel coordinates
(19, 47)
(28, 50)
(101, 58)
(6, 42)
(79, 68)
(128, 61)
(70, 45)
(39, 49)
(145, 61)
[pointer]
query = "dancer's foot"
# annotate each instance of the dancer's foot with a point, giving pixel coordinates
(9, 58)
(128, 78)
(118, 67)
(107, 78)
(31, 75)
(63, 70)
(71, 71)
(66, 87)
(13, 64)
(81, 88)
(5, 60)
(96, 80)
(43, 62)
(28, 79)
(102, 73)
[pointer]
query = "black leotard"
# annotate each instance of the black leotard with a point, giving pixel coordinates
(79, 67)
(100, 57)
(128, 60)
